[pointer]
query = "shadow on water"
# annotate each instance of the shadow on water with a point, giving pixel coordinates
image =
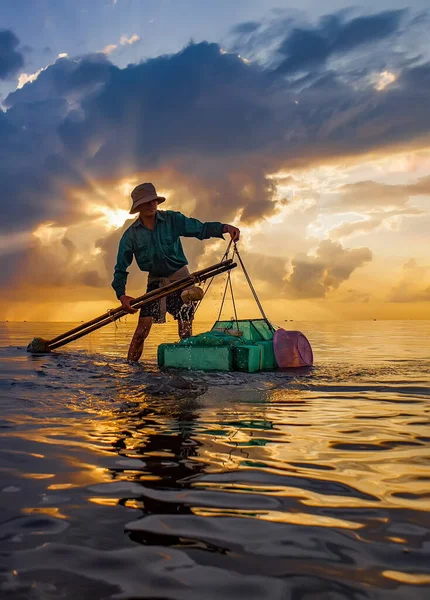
(312, 483)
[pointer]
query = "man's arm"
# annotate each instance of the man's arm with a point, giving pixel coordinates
(123, 261)
(189, 227)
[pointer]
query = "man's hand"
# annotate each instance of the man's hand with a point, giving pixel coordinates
(233, 231)
(125, 303)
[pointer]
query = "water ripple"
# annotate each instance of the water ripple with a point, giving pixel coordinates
(122, 481)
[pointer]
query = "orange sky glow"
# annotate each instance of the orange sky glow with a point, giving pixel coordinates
(313, 141)
(393, 284)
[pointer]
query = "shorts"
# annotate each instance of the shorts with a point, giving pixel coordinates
(174, 306)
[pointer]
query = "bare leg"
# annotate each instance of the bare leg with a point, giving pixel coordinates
(136, 346)
(185, 329)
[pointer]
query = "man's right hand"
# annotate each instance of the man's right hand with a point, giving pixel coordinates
(125, 303)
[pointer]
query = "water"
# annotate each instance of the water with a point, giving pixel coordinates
(117, 481)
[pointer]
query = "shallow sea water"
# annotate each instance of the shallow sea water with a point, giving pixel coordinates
(118, 481)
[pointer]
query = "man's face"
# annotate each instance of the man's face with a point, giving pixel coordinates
(148, 209)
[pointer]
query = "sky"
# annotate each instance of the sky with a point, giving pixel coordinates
(304, 123)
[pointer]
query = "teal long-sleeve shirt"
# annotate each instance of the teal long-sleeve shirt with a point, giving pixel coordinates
(159, 251)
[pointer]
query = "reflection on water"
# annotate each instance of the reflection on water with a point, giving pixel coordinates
(120, 481)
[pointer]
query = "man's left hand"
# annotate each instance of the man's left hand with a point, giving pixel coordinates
(233, 231)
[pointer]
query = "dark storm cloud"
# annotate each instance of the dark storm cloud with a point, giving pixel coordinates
(248, 27)
(198, 112)
(206, 124)
(308, 48)
(11, 60)
(66, 79)
(300, 47)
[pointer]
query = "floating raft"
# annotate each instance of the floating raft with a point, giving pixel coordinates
(244, 345)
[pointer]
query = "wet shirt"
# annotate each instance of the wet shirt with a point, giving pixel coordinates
(159, 251)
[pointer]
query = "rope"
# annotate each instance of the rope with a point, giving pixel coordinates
(233, 301)
(205, 291)
(254, 293)
(223, 300)
(229, 285)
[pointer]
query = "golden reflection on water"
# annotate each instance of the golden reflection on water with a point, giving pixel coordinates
(412, 578)
(37, 475)
(296, 518)
(45, 510)
(342, 448)
(62, 486)
(104, 501)
(134, 504)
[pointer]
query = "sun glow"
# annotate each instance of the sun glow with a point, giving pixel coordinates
(112, 218)
(48, 234)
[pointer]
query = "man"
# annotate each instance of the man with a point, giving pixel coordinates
(153, 239)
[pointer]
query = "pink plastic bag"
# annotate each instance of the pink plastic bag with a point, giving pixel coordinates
(292, 349)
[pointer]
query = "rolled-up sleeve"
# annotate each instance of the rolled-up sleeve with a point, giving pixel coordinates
(123, 261)
(189, 227)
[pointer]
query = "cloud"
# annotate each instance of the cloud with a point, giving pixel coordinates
(124, 41)
(28, 77)
(307, 49)
(368, 194)
(67, 80)
(245, 28)
(368, 206)
(372, 222)
(128, 41)
(109, 49)
(414, 284)
(177, 132)
(225, 128)
(266, 273)
(365, 195)
(206, 126)
(316, 276)
(56, 265)
(384, 79)
(421, 187)
(11, 60)
(354, 296)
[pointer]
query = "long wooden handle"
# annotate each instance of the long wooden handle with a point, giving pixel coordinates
(181, 284)
(111, 313)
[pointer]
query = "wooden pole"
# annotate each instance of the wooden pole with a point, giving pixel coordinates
(110, 313)
(107, 318)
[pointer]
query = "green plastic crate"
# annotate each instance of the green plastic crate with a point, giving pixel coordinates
(268, 361)
(253, 330)
(247, 358)
(160, 354)
(203, 358)
(215, 350)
